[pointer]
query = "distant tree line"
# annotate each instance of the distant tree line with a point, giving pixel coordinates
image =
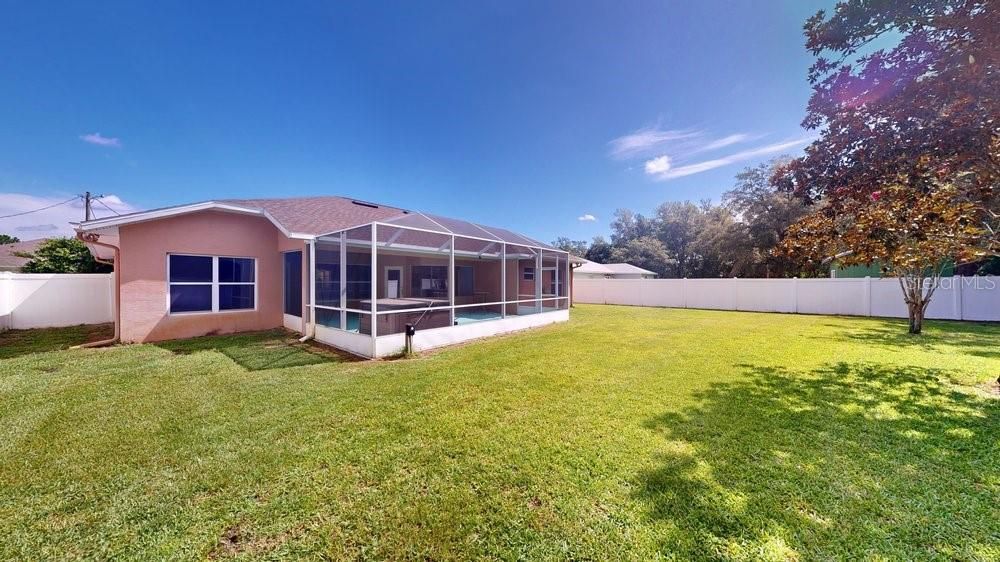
(688, 239)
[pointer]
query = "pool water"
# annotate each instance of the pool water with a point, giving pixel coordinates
(332, 320)
(461, 317)
(470, 316)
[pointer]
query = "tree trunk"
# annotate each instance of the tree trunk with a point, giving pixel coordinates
(918, 297)
(916, 318)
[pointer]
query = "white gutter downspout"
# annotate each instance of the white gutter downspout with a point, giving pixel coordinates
(311, 309)
(92, 238)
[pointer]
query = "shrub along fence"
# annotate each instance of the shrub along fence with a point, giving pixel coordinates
(47, 300)
(957, 298)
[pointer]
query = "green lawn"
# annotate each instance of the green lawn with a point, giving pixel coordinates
(19, 342)
(627, 433)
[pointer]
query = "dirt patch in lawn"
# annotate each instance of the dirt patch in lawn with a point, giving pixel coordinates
(237, 540)
(993, 388)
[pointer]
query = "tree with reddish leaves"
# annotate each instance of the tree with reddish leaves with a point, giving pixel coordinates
(906, 167)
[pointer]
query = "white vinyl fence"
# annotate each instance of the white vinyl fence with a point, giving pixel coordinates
(46, 300)
(957, 298)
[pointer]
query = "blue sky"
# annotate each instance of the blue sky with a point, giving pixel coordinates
(525, 115)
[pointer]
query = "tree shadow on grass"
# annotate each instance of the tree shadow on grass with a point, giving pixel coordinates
(980, 339)
(259, 351)
(848, 461)
(15, 343)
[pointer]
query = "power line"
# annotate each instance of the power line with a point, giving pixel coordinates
(74, 198)
(105, 205)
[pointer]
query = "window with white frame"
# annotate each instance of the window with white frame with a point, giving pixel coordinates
(529, 273)
(211, 283)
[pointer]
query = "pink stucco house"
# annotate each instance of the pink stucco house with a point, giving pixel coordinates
(350, 273)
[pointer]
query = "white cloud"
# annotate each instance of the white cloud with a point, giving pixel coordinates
(678, 143)
(645, 140)
(658, 165)
(53, 221)
(706, 165)
(726, 141)
(101, 140)
(670, 153)
(586, 218)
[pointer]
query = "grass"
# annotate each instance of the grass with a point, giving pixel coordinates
(20, 342)
(627, 433)
(259, 351)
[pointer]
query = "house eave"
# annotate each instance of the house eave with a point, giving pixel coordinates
(157, 214)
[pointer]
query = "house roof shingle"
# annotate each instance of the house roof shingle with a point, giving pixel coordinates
(319, 215)
(315, 216)
(11, 262)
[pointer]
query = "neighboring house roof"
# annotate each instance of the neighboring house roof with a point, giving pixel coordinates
(612, 269)
(592, 267)
(11, 262)
(309, 217)
(627, 268)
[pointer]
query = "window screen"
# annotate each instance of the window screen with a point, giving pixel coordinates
(235, 297)
(236, 270)
(190, 283)
(190, 298)
(190, 269)
(211, 283)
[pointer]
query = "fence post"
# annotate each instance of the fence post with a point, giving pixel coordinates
(795, 295)
(736, 293)
(868, 296)
(6, 301)
(956, 282)
(684, 292)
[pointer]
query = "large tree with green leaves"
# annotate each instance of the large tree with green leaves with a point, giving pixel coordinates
(678, 224)
(63, 255)
(575, 247)
(703, 240)
(628, 225)
(905, 169)
(599, 250)
(646, 252)
(766, 213)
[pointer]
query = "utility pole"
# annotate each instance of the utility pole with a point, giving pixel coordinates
(88, 205)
